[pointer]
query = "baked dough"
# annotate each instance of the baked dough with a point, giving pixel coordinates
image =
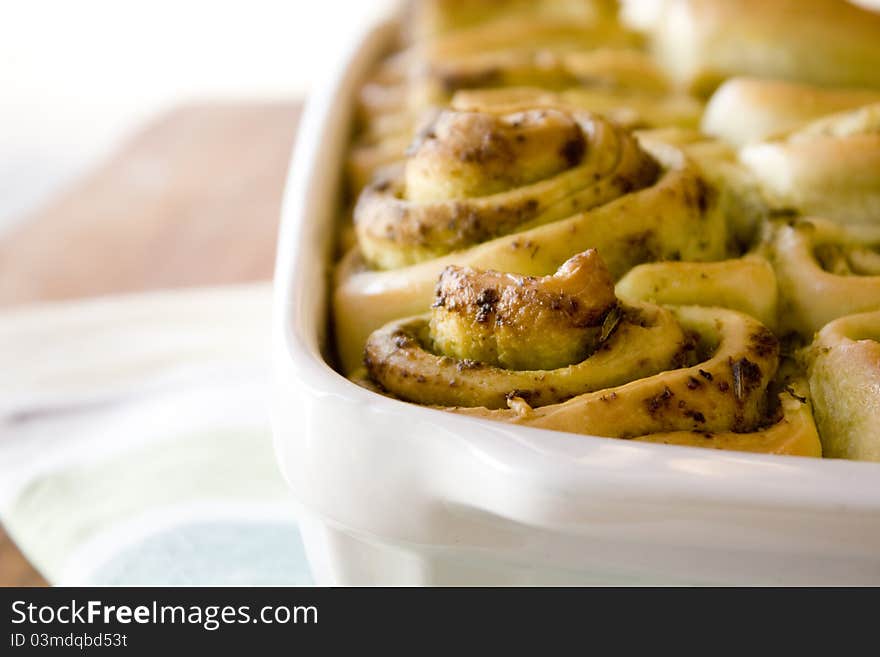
(745, 110)
(828, 168)
(844, 367)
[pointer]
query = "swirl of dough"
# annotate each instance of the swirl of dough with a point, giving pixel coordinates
(493, 336)
(825, 271)
(844, 370)
(725, 391)
(474, 176)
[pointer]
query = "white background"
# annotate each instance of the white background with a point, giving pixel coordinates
(76, 76)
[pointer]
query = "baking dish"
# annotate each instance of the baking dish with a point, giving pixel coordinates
(394, 493)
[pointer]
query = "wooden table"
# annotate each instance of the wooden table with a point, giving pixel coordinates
(193, 199)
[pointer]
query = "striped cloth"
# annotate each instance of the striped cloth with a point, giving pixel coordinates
(135, 445)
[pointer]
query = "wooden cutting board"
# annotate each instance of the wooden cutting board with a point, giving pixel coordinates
(193, 199)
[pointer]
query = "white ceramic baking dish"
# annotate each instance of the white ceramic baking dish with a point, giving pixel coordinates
(392, 493)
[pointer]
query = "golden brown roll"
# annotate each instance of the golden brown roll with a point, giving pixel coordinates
(744, 110)
(825, 271)
(826, 42)
(492, 335)
(828, 168)
(621, 83)
(844, 369)
(518, 193)
(475, 176)
(561, 353)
